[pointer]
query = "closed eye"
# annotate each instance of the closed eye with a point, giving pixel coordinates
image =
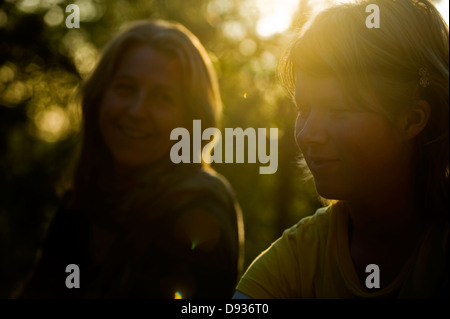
(124, 88)
(164, 97)
(339, 111)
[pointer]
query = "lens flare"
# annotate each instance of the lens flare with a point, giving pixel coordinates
(177, 295)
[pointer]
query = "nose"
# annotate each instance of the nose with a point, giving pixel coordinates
(139, 106)
(310, 130)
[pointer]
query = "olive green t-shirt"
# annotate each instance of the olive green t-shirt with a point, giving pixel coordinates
(312, 260)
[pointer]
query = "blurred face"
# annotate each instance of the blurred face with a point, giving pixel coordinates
(351, 153)
(141, 106)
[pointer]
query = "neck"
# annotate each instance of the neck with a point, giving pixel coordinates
(132, 176)
(386, 218)
(384, 231)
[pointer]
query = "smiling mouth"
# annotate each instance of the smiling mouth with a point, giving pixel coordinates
(318, 162)
(133, 133)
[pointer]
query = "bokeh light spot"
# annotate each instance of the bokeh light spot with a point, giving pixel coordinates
(54, 16)
(248, 47)
(52, 123)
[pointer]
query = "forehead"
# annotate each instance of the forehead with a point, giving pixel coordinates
(317, 88)
(144, 62)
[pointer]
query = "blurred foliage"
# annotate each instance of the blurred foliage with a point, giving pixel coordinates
(41, 64)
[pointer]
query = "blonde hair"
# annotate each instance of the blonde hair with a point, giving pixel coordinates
(385, 62)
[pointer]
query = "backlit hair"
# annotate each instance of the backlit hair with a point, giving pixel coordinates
(385, 63)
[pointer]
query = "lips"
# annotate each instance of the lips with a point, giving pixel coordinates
(134, 132)
(319, 162)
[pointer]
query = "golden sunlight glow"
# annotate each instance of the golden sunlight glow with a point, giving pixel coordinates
(443, 8)
(275, 16)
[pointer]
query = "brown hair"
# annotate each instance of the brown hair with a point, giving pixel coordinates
(200, 86)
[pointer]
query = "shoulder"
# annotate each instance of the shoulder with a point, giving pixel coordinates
(206, 179)
(204, 206)
(205, 188)
(311, 228)
(291, 261)
(306, 238)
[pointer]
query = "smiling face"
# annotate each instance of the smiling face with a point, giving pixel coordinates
(352, 153)
(141, 106)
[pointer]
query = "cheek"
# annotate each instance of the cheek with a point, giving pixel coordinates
(371, 146)
(171, 119)
(104, 118)
(111, 106)
(108, 113)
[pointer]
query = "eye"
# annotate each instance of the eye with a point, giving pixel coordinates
(123, 88)
(338, 110)
(165, 98)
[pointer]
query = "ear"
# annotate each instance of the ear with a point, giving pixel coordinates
(416, 119)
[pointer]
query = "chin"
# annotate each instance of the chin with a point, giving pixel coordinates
(331, 191)
(131, 164)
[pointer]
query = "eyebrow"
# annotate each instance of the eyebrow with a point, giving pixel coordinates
(123, 77)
